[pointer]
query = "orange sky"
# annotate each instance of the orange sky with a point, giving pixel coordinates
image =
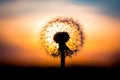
(101, 32)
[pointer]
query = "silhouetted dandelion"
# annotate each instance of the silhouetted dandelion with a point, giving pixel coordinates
(62, 37)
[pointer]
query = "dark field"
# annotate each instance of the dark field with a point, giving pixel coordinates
(74, 72)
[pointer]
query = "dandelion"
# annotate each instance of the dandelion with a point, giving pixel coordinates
(62, 37)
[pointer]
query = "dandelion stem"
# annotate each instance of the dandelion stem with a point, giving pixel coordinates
(62, 59)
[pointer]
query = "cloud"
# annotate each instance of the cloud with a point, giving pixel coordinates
(6, 1)
(9, 49)
(18, 8)
(99, 59)
(108, 7)
(13, 8)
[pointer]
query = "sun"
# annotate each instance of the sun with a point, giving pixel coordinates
(72, 27)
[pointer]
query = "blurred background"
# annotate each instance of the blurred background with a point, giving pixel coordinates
(22, 20)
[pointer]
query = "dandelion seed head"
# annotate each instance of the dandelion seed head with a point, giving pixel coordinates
(72, 27)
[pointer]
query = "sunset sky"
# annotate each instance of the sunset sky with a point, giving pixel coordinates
(22, 20)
